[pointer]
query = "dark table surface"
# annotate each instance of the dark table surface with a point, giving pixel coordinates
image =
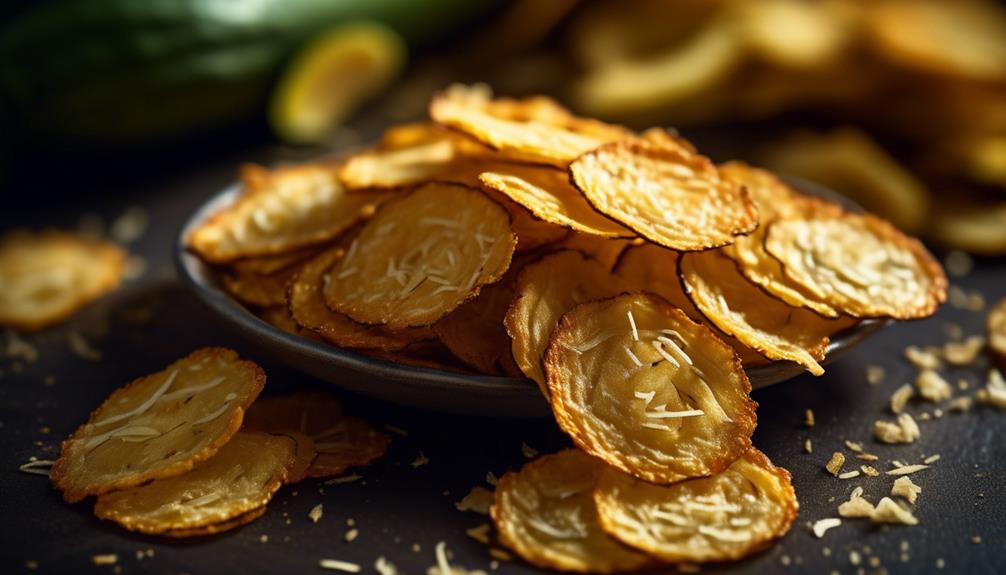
(402, 511)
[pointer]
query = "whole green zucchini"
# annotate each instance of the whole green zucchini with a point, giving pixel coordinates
(145, 71)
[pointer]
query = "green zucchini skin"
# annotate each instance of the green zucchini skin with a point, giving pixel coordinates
(122, 72)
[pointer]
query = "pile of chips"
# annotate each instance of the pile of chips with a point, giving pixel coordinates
(190, 450)
(630, 277)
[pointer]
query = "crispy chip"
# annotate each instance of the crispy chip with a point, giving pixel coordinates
(160, 425)
(548, 194)
(996, 325)
(280, 210)
(666, 193)
(531, 232)
(422, 256)
(279, 316)
(724, 517)
(758, 320)
(635, 382)
(536, 126)
(266, 265)
(257, 289)
(308, 309)
(775, 200)
(859, 264)
(605, 251)
(545, 290)
(214, 528)
(431, 354)
(796, 34)
(546, 514)
(45, 277)
(240, 478)
(341, 441)
(654, 269)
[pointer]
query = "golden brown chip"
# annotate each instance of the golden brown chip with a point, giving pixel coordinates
(279, 316)
(665, 193)
(654, 269)
(422, 256)
(545, 290)
(271, 264)
(410, 160)
(263, 290)
(531, 232)
(240, 478)
(775, 200)
(795, 34)
(281, 210)
(213, 529)
(45, 277)
(996, 325)
(740, 309)
(307, 307)
(859, 264)
(160, 425)
(549, 195)
(341, 441)
(638, 384)
(431, 354)
(538, 126)
(606, 251)
(546, 514)
(724, 517)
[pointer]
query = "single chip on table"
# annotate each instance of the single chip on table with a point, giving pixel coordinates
(545, 290)
(546, 514)
(652, 268)
(666, 193)
(724, 517)
(775, 200)
(636, 383)
(308, 309)
(996, 325)
(160, 425)
(859, 264)
(768, 325)
(47, 276)
(240, 478)
(280, 210)
(537, 126)
(549, 195)
(341, 441)
(421, 256)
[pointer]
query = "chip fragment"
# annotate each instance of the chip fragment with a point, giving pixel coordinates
(390, 276)
(546, 514)
(859, 264)
(545, 290)
(160, 425)
(240, 478)
(341, 441)
(740, 309)
(280, 210)
(47, 276)
(635, 382)
(724, 517)
(996, 325)
(666, 193)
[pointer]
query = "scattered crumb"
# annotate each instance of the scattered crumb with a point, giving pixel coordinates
(888, 511)
(907, 469)
(351, 535)
(975, 301)
(903, 487)
(444, 568)
(953, 330)
(963, 352)
(940, 563)
(834, 465)
(867, 456)
(420, 460)
(416, 548)
(396, 430)
(849, 474)
(479, 533)
(336, 565)
(500, 554)
(823, 525)
(856, 506)
(854, 446)
(808, 446)
(920, 358)
(957, 297)
(871, 471)
(105, 559)
(854, 557)
(18, 348)
(479, 500)
(344, 479)
(385, 567)
(994, 392)
(874, 374)
(809, 417)
(491, 479)
(931, 459)
(785, 560)
(136, 266)
(263, 538)
(977, 539)
(932, 386)
(900, 397)
(130, 226)
(81, 347)
(31, 565)
(905, 430)
(960, 404)
(528, 451)
(315, 513)
(958, 263)
(350, 522)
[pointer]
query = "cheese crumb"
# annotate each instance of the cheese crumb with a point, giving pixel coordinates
(849, 474)
(336, 565)
(823, 525)
(932, 386)
(856, 506)
(960, 404)
(994, 392)
(344, 479)
(887, 511)
(528, 451)
(874, 374)
(385, 567)
(105, 559)
(479, 500)
(500, 554)
(867, 456)
(491, 479)
(958, 263)
(905, 430)
(808, 446)
(834, 465)
(903, 487)
(907, 469)
(351, 535)
(920, 358)
(900, 397)
(931, 459)
(854, 446)
(963, 352)
(315, 513)
(809, 417)
(420, 460)
(479, 533)
(871, 471)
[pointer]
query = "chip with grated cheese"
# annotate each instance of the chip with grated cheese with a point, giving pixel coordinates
(546, 514)
(47, 276)
(421, 256)
(739, 308)
(724, 517)
(636, 383)
(240, 478)
(341, 441)
(160, 425)
(605, 251)
(666, 193)
(214, 528)
(859, 264)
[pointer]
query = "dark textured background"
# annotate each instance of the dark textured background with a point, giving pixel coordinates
(397, 505)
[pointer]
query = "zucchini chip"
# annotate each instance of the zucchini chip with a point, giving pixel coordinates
(635, 382)
(421, 257)
(45, 277)
(546, 514)
(241, 478)
(546, 289)
(214, 528)
(724, 517)
(761, 322)
(859, 264)
(160, 425)
(666, 193)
